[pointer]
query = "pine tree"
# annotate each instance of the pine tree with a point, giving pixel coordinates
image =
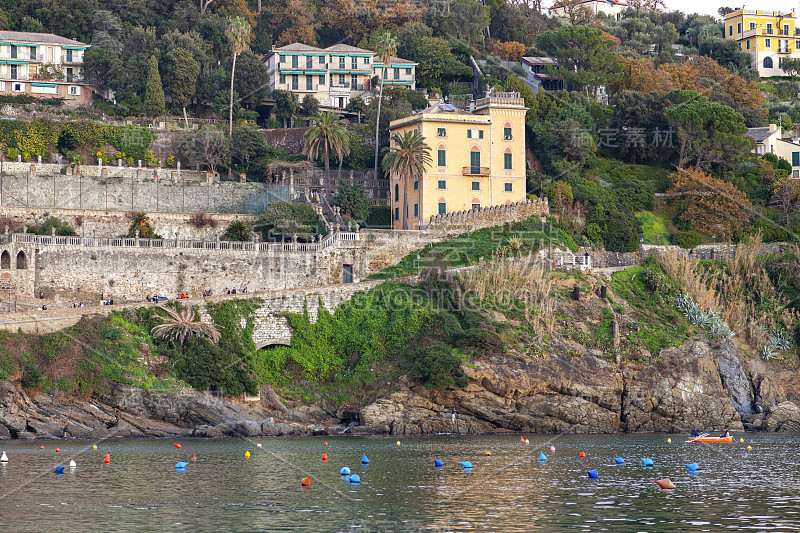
(154, 94)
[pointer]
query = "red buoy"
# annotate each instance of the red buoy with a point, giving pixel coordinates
(583, 454)
(107, 459)
(324, 456)
(57, 450)
(306, 481)
(664, 483)
(326, 443)
(522, 440)
(176, 444)
(41, 447)
(194, 459)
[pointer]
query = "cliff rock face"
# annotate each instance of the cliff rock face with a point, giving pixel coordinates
(570, 395)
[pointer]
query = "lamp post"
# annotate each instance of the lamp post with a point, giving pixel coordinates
(713, 246)
(641, 249)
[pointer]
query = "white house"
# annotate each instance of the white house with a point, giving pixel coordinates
(768, 141)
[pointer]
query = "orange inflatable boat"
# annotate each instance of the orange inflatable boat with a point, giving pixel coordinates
(707, 438)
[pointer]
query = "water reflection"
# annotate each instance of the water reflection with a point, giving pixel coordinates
(401, 490)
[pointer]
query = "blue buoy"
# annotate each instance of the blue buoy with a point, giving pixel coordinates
(592, 474)
(619, 460)
(344, 471)
(59, 469)
(181, 464)
(437, 463)
(647, 462)
(691, 466)
(542, 457)
(466, 464)
(364, 458)
(355, 478)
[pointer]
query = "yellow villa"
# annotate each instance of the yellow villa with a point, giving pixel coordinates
(769, 37)
(478, 160)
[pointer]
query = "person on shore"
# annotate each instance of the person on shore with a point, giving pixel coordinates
(453, 414)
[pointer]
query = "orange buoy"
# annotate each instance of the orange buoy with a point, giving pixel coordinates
(107, 459)
(306, 481)
(324, 456)
(326, 443)
(194, 458)
(176, 444)
(664, 483)
(522, 440)
(57, 450)
(583, 454)
(41, 447)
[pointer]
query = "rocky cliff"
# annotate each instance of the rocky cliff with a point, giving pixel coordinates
(698, 385)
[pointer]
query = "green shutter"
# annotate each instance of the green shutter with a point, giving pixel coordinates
(442, 208)
(507, 161)
(442, 158)
(796, 159)
(475, 159)
(476, 185)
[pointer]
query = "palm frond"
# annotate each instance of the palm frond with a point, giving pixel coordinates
(183, 324)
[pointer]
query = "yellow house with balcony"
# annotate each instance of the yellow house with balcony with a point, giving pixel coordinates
(478, 160)
(769, 37)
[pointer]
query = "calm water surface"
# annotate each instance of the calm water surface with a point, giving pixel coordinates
(401, 491)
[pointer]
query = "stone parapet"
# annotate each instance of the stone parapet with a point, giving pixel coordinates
(473, 219)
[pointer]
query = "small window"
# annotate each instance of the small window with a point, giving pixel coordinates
(739, 27)
(322, 79)
(441, 132)
(281, 81)
(22, 261)
(796, 159)
(507, 161)
(507, 134)
(5, 260)
(294, 61)
(509, 187)
(474, 134)
(442, 208)
(408, 72)
(752, 25)
(396, 193)
(397, 73)
(767, 62)
(74, 90)
(321, 60)
(397, 213)
(767, 43)
(309, 83)
(309, 62)
(476, 206)
(416, 185)
(476, 185)
(283, 60)
(341, 62)
(748, 45)
(416, 210)
(730, 30)
(366, 61)
(441, 158)
(441, 184)
(354, 62)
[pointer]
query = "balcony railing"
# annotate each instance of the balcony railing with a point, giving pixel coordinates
(70, 61)
(476, 171)
(784, 50)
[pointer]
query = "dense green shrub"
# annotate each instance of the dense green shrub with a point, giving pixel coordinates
(237, 231)
(687, 239)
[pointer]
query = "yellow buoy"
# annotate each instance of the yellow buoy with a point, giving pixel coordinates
(94, 447)
(669, 440)
(526, 441)
(741, 440)
(398, 443)
(247, 453)
(488, 453)
(748, 447)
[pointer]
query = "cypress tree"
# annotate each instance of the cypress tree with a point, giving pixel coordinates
(154, 94)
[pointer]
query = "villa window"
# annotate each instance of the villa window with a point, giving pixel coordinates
(442, 207)
(441, 132)
(309, 61)
(509, 187)
(441, 184)
(354, 63)
(476, 185)
(767, 62)
(507, 134)
(294, 62)
(441, 158)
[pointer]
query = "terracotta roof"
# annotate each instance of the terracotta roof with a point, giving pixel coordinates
(45, 38)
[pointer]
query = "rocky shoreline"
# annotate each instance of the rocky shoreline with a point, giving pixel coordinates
(699, 385)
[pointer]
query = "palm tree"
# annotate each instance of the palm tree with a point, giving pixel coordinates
(406, 159)
(183, 324)
(240, 34)
(386, 47)
(328, 133)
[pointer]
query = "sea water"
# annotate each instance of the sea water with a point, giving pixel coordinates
(400, 490)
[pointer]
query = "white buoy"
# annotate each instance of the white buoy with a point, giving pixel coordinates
(72, 464)
(258, 445)
(4, 458)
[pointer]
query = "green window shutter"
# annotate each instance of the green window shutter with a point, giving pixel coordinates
(442, 208)
(475, 159)
(507, 161)
(442, 158)
(509, 187)
(480, 134)
(476, 185)
(442, 184)
(796, 159)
